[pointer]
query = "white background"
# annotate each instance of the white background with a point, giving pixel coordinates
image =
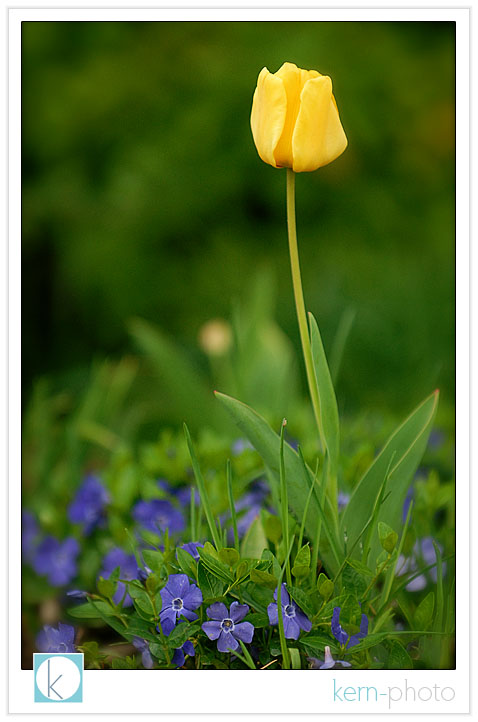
(208, 691)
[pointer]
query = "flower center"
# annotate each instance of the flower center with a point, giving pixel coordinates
(177, 604)
(289, 611)
(227, 625)
(62, 647)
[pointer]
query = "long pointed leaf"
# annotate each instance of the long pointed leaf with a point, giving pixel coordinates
(267, 443)
(406, 446)
(328, 403)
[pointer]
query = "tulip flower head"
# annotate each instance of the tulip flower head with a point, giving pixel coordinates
(295, 122)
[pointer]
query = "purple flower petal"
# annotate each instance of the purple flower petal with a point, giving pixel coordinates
(355, 638)
(188, 648)
(178, 658)
(193, 597)
(291, 628)
(212, 629)
(188, 614)
(284, 595)
(244, 631)
(168, 617)
(226, 642)
(217, 611)
(339, 633)
(238, 611)
(273, 614)
(302, 620)
(178, 585)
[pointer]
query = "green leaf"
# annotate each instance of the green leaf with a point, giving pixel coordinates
(213, 563)
(359, 567)
(406, 447)
(315, 642)
(210, 585)
(242, 569)
(388, 537)
(91, 611)
(299, 477)
(303, 599)
(328, 404)
(187, 563)
(254, 541)
(303, 557)
(424, 612)
(263, 578)
(325, 586)
(180, 634)
(106, 587)
(301, 567)
(142, 600)
(353, 581)
(398, 657)
(273, 529)
(295, 658)
(153, 559)
(228, 556)
(258, 619)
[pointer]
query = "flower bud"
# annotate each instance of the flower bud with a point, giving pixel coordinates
(295, 122)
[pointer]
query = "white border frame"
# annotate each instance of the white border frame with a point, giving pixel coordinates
(270, 694)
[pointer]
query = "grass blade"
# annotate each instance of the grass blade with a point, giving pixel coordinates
(231, 504)
(202, 491)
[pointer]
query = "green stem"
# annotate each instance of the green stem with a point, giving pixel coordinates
(300, 305)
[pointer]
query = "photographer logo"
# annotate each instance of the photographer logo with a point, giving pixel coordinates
(58, 677)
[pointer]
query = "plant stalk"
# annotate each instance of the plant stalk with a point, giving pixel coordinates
(300, 305)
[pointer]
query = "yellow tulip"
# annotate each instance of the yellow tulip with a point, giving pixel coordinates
(295, 122)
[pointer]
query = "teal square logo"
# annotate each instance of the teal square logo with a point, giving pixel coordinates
(58, 677)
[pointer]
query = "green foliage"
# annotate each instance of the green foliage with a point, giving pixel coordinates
(403, 451)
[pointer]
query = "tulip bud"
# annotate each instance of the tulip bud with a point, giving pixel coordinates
(295, 122)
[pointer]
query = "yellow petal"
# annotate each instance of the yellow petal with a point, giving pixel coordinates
(268, 114)
(294, 80)
(318, 136)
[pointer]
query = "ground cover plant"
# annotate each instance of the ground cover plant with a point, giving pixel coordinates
(296, 544)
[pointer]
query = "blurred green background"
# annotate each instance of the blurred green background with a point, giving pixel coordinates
(143, 195)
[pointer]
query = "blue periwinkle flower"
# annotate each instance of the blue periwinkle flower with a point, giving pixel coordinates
(57, 560)
(341, 635)
(88, 506)
(157, 516)
(192, 549)
(30, 535)
(293, 617)
(328, 662)
(117, 557)
(179, 656)
(55, 640)
(227, 626)
(143, 647)
(180, 598)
